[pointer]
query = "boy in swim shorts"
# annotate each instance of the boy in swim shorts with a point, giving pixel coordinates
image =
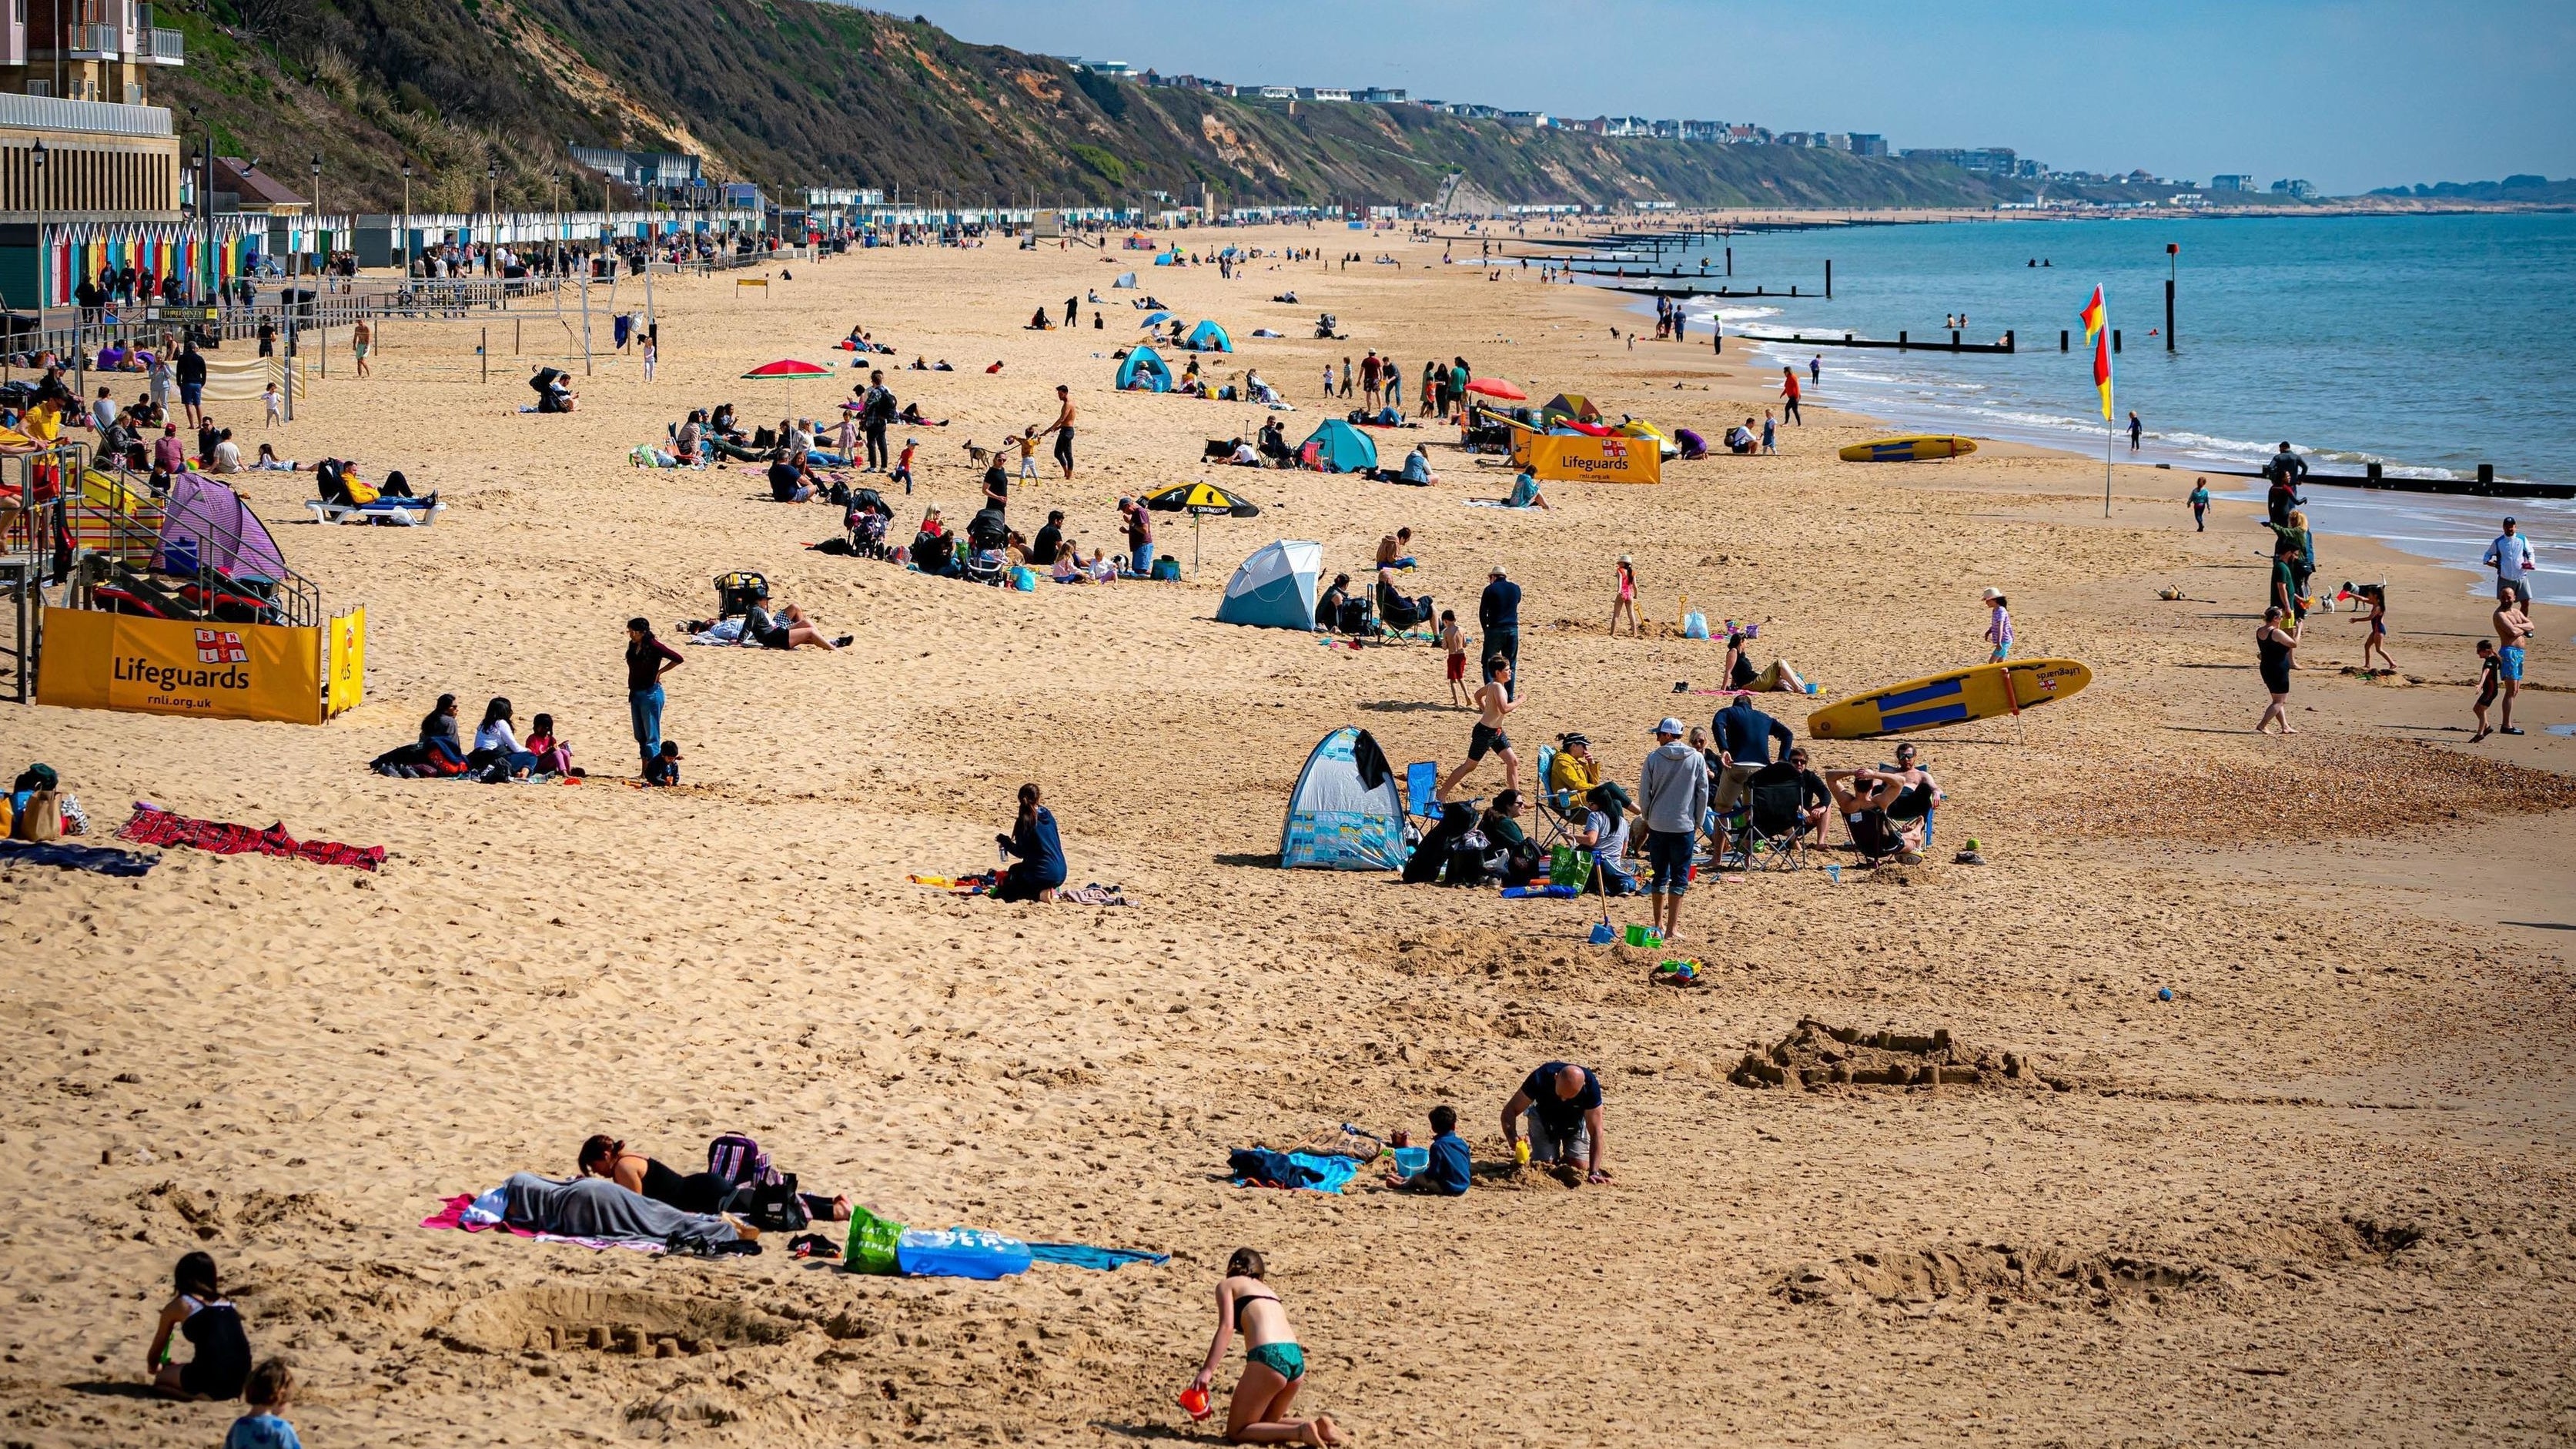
(1453, 640)
(1493, 703)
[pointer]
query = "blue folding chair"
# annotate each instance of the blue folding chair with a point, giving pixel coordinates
(1421, 784)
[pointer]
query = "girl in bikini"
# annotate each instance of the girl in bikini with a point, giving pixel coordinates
(1274, 1366)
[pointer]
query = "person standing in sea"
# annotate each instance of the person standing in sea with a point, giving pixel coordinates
(2136, 430)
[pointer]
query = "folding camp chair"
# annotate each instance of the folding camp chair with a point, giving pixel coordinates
(1555, 808)
(1769, 832)
(1421, 784)
(736, 592)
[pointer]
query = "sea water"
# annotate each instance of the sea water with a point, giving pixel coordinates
(2428, 344)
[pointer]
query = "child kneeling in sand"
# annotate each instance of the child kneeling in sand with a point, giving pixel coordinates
(199, 1312)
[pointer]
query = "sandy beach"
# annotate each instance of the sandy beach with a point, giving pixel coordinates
(2326, 1193)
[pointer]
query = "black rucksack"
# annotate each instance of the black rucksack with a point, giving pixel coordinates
(775, 1206)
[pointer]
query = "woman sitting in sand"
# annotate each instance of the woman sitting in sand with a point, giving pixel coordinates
(1525, 492)
(1068, 564)
(1040, 868)
(1740, 673)
(1274, 1365)
(198, 1312)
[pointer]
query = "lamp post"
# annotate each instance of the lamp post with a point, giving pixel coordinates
(321, 253)
(44, 253)
(492, 209)
(402, 242)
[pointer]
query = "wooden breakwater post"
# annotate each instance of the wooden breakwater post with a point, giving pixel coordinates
(1829, 279)
(2115, 339)
(2061, 339)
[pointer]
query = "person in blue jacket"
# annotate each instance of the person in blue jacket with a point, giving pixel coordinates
(1040, 868)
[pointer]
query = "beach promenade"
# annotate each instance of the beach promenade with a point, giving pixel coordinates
(2325, 1193)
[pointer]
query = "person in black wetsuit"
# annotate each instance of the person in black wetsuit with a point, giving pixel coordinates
(200, 1313)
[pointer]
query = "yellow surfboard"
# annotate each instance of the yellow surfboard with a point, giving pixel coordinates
(1984, 692)
(1908, 450)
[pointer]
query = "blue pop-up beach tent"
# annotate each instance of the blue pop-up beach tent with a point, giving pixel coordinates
(1275, 588)
(1339, 448)
(1145, 366)
(1209, 337)
(1347, 810)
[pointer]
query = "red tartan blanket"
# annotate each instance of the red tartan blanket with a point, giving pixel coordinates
(152, 825)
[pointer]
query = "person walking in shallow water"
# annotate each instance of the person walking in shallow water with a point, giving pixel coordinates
(2137, 430)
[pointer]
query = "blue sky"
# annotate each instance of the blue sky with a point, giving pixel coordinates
(2350, 95)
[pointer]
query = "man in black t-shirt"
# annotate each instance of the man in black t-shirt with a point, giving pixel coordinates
(1042, 549)
(1561, 1105)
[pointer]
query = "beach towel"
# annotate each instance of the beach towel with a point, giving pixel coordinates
(1307, 1171)
(1083, 1255)
(981, 883)
(1094, 894)
(97, 859)
(153, 825)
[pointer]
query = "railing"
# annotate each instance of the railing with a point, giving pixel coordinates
(100, 42)
(169, 47)
(53, 113)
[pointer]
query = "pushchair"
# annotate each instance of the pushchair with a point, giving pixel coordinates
(736, 592)
(986, 536)
(867, 521)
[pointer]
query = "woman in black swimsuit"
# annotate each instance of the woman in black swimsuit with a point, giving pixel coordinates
(2272, 649)
(202, 1315)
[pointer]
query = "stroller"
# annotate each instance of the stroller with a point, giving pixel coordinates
(986, 536)
(867, 520)
(736, 592)
(543, 383)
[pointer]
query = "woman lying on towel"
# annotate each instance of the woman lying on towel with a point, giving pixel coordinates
(698, 1192)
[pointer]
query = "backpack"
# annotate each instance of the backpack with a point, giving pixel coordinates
(734, 1160)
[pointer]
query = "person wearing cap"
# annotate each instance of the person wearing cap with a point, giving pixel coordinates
(2512, 559)
(1498, 613)
(1140, 535)
(1672, 795)
(1998, 626)
(1573, 772)
(1625, 600)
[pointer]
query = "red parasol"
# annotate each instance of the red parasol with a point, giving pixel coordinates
(1497, 388)
(787, 370)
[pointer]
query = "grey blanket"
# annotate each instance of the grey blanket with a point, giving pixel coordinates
(594, 1207)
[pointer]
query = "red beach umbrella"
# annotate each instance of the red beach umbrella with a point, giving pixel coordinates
(1495, 387)
(788, 369)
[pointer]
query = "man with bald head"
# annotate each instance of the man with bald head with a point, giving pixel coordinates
(1561, 1103)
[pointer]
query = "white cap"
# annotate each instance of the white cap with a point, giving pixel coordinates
(1669, 726)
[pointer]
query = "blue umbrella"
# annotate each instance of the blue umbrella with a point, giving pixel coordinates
(1155, 319)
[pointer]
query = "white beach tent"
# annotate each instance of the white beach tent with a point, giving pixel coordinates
(1275, 588)
(1125, 280)
(1347, 812)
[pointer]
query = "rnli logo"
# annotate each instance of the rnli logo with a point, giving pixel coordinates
(221, 646)
(1614, 449)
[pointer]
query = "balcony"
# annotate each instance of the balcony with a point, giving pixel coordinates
(169, 47)
(93, 42)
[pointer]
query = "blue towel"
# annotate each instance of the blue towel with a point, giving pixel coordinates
(99, 859)
(1083, 1255)
(1255, 1166)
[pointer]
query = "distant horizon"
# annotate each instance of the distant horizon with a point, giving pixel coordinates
(2350, 97)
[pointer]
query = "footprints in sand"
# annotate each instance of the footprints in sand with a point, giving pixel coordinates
(1817, 1056)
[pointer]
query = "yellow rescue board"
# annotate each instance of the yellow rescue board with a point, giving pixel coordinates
(1908, 450)
(1955, 698)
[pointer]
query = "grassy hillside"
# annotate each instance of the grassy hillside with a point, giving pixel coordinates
(791, 92)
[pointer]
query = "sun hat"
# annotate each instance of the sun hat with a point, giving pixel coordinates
(1993, 594)
(1669, 726)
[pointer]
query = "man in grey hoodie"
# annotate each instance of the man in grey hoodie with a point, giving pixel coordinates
(1672, 795)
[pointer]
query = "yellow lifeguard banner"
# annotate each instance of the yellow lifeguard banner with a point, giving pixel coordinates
(1579, 458)
(97, 660)
(344, 677)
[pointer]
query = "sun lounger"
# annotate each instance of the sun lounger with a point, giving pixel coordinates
(409, 512)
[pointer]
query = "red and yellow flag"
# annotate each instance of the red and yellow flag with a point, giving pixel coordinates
(2097, 330)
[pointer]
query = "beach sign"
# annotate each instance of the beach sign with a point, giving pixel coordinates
(1576, 458)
